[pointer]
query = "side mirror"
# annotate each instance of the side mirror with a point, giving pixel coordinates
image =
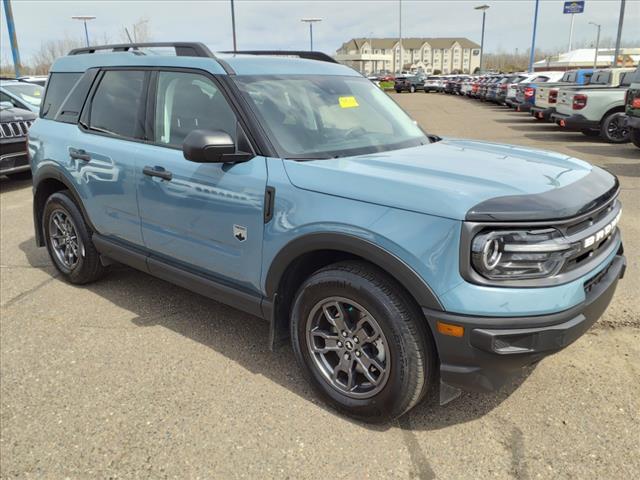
(204, 146)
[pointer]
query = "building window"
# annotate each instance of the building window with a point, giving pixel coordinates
(475, 52)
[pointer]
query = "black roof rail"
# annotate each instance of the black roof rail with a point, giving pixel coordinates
(183, 49)
(320, 56)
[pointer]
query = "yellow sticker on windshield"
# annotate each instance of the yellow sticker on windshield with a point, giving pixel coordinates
(348, 102)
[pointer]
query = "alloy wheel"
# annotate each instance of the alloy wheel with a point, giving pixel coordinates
(63, 236)
(348, 347)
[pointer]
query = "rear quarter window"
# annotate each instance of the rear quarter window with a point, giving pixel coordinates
(58, 87)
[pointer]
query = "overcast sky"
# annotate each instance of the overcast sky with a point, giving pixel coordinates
(276, 24)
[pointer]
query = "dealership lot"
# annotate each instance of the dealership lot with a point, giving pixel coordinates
(134, 377)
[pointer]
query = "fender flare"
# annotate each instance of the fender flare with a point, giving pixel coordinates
(47, 172)
(396, 267)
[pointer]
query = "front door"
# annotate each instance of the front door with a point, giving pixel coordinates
(206, 216)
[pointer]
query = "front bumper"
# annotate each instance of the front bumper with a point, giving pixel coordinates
(13, 156)
(574, 122)
(543, 113)
(493, 350)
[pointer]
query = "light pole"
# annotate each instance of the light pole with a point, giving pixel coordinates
(619, 35)
(233, 26)
(310, 21)
(85, 19)
(532, 53)
(484, 9)
(595, 59)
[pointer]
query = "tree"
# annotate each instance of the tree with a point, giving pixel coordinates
(50, 50)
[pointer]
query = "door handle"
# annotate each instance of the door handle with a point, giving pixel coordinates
(157, 172)
(79, 154)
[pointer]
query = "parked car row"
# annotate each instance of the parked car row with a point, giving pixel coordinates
(601, 103)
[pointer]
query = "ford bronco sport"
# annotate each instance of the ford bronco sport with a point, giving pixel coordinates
(289, 186)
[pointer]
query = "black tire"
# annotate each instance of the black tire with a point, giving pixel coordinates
(88, 267)
(613, 130)
(412, 89)
(635, 136)
(26, 175)
(398, 91)
(590, 133)
(411, 350)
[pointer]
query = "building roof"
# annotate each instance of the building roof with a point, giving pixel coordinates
(585, 56)
(409, 43)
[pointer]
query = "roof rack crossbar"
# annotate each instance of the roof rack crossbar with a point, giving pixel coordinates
(183, 49)
(310, 55)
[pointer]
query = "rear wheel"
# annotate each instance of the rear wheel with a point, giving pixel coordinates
(614, 128)
(635, 136)
(398, 90)
(69, 241)
(361, 341)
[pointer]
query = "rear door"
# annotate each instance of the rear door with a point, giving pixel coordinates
(104, 152)
(207, 217)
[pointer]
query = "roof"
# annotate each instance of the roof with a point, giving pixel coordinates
(585, 56)
(241, 64)
(409, 43)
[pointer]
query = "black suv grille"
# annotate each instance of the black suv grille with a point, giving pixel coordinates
(593, 231)
(14, 129)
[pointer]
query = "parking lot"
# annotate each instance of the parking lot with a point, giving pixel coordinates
(133, 377)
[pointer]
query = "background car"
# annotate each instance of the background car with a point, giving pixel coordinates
(14, 124)
(632, 108)
(21, 94)
(411, 84)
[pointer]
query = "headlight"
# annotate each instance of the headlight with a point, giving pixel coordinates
(520, 254)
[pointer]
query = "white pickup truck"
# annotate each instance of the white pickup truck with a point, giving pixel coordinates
(546, 93)
(595, 110)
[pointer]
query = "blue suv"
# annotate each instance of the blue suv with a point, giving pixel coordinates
(399, 264)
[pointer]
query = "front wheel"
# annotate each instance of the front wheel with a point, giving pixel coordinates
(614, 128)
(635, 136)
(412, 89)
(362, 342)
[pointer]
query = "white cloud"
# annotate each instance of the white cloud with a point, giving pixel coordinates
(276, 24)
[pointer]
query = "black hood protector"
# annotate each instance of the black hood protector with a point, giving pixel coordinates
(594, 190)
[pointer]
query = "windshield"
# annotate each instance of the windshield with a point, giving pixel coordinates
(312, 116)
(27, 92)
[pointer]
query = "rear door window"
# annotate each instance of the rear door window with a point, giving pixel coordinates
(116, 107)
(58, 87)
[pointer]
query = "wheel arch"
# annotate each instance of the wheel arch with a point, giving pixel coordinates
(48, 180)
(308, 253)
(614, 109)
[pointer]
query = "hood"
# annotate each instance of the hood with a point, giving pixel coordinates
(15, 114)
(449, 178)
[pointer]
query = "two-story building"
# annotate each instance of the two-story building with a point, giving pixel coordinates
(447, 55)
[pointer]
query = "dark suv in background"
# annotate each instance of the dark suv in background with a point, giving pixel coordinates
(409, 84)
(14, 124)
(632, 108)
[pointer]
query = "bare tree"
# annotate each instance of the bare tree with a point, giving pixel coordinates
(50, 50)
